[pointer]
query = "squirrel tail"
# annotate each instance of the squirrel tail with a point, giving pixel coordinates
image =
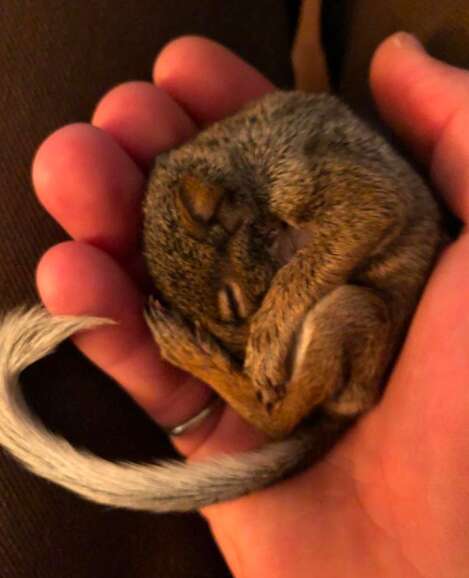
(168, 486)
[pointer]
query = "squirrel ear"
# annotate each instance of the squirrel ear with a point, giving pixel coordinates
(197, 202)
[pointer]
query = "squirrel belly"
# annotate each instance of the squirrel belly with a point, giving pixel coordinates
(169, 486)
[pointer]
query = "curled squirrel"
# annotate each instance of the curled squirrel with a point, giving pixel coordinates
(288, 246)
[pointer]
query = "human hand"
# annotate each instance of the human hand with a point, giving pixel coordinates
(91, 178)
(390, 499)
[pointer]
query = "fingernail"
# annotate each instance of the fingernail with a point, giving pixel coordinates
(406, 40)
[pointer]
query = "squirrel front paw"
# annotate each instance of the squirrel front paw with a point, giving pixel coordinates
(184, 344)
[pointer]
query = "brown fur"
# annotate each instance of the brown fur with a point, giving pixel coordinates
(331, 238)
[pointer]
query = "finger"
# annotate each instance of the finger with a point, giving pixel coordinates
(450, 164)
(143, 119)
(76, 279)
(208, 80)
(91, 187)
(86, 180)
(425, 101)
(415, 93)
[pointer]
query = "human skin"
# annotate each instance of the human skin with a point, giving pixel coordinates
(390, 500)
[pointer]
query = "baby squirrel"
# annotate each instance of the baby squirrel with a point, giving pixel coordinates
(288, 246)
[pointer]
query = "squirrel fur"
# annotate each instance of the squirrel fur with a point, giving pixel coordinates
(288, 246)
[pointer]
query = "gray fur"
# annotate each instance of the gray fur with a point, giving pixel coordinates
(28, 335)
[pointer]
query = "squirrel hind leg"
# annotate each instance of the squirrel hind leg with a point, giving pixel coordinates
(342, 351)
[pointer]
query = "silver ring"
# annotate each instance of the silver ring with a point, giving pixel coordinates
(194, 421)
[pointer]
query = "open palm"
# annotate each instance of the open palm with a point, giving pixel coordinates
(391, 498)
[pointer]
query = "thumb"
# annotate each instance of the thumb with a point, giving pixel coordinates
(426, 101)
(415, 93)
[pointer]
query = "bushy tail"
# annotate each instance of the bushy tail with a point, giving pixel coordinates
(170, 486)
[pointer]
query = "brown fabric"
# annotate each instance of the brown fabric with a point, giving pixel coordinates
(56, 59)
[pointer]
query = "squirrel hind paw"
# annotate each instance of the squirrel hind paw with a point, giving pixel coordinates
(270, 397)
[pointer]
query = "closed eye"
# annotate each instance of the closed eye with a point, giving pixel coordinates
(232, 304)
